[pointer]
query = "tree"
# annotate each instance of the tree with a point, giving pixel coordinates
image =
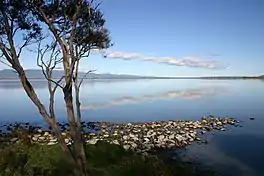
(74, 28)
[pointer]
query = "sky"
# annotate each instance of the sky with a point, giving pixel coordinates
(180, 38)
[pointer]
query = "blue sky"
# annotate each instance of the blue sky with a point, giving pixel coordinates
(152, 34)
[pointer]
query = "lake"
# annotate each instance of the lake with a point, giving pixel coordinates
(239, 149)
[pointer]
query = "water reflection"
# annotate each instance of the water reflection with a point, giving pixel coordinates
(191, 94)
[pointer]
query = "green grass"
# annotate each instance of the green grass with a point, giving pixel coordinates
(103, 159)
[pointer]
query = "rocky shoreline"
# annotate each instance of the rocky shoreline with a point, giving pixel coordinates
(139, 137)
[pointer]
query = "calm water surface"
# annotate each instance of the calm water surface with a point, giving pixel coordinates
(239, 150)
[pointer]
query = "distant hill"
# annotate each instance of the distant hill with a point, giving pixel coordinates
(37, 74)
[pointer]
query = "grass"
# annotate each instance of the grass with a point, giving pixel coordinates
(104, 159)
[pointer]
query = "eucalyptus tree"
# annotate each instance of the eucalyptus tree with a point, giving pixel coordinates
(64, 32)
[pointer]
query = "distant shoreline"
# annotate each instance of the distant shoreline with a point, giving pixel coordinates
(138, 78)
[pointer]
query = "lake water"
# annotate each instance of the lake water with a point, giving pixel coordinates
(239, 150)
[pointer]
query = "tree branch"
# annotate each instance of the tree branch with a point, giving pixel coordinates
(90, 71)
(46, 68)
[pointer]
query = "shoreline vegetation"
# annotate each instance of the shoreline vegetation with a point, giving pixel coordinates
(135, 144)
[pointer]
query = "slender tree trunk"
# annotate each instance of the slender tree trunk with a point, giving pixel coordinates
(79, 124)
(75, 133)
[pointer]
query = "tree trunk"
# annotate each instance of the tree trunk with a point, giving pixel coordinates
(78, 143)
(50, 120)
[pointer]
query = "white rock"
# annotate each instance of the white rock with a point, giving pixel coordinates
(146, 140)
(126, 147)
(46, 134)
(129, 124)
(67, 140)
(219, 123)
(135, 138)
(52, 143)
(180, 138)
(115, 142)
(39, 131)
(34, 138)
(161, 137)
(131, 135)
(63, 134)
(53, 140)
(42, 138)
(192, 135)
(92, 141)
(133, 145)
(125, 137)
(106, 135)
(172, 136)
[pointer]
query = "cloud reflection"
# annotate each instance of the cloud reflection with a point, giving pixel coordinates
(171, 95)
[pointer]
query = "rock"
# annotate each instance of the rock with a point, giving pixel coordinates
(37, 135)
(106, 135)
(252, 118)
(135, 138)
(46, 134)
(161, 137)
(52, 143)
(133, 145)
(192, 135)
(34, 139)
(92, 141)
(182, 132)
(180, 138)
(126, 147)
(191, 139)
(13, 139)
(64, 134)
(39, 131)
(198, 139)
(219, 123)
(146, 140)
(131, 135)
(172, 136)
(42, 138)
(115, 142)
(53, 140)
(125, 137)
(67, 140)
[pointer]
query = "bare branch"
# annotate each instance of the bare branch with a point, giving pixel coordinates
(21, 48)
(90, 71)
(58, 83)
(7, 64)
(16, 29)
(46, 68)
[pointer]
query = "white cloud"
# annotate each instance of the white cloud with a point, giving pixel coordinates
(189, 61)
